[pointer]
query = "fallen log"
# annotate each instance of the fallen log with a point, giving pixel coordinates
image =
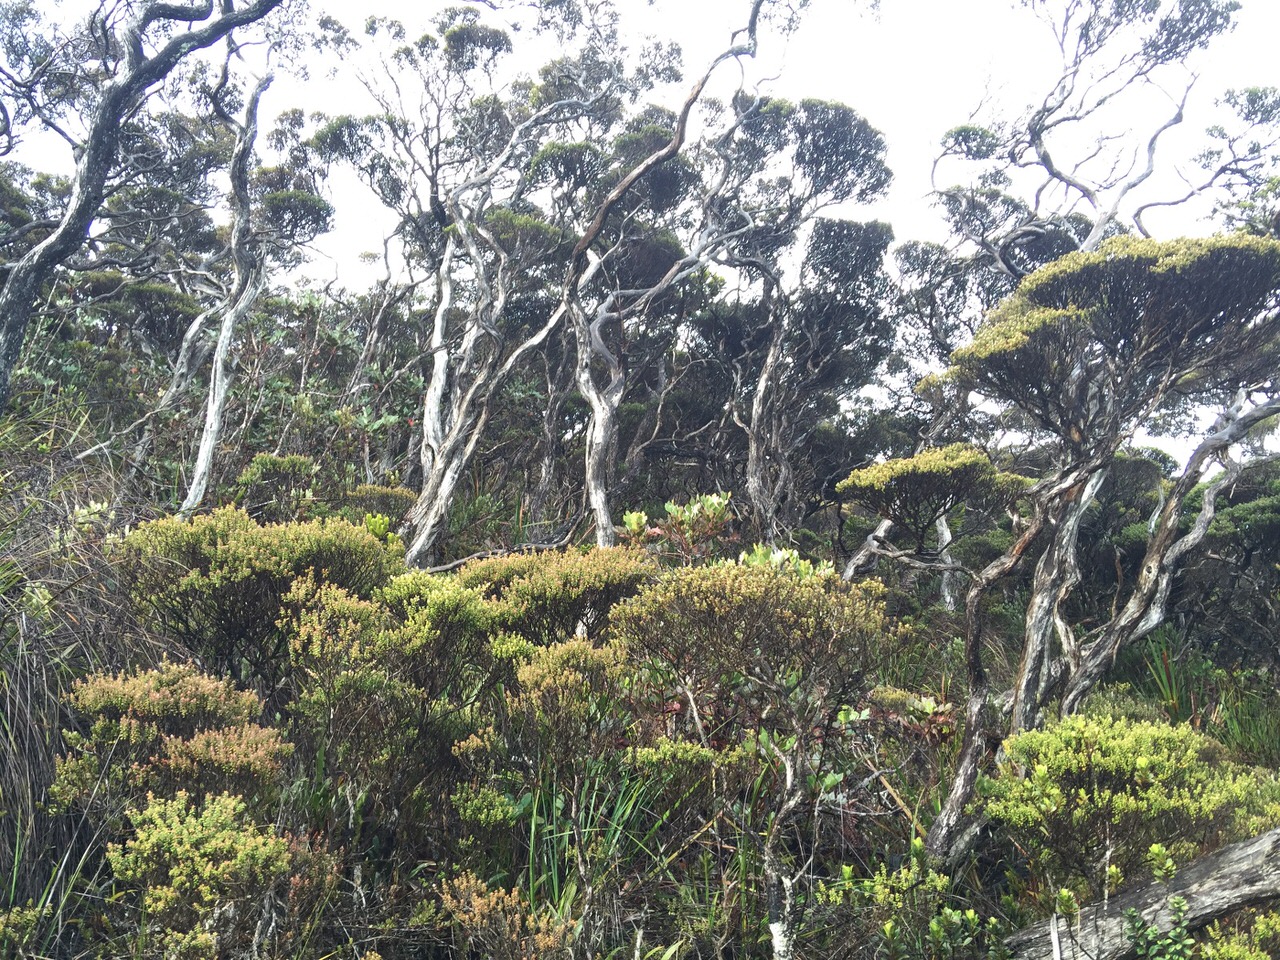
(1242, 875)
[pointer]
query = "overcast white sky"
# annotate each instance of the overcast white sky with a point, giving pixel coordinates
(915, 69)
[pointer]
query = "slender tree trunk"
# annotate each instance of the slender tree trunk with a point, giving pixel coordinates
(250, 278)
(947, 587)
(762, 446)
(947, 832)
(431, 513)
(1145, 608)
(100, 152)
(543, 516)
(220, 380)
(602, 432)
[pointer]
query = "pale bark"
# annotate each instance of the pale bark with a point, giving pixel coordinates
(946, 588)
(1242, 875)
(100, 153)
(604, 397)
(864, 558)
(1145, 608)
(980, 728)
(465, 380)
(1056, 575)
(764, 491)
(249, 275)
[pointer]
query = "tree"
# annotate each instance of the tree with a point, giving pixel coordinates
(137, 47)
(832, 324)
(1089, 350)
(1111, 53)
(249, 266)
(524, 224)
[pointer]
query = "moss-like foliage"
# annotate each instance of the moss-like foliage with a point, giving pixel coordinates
(915, 491)
(1095, 337)
(197, 870)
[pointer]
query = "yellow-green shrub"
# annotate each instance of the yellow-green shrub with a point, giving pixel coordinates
(1259, 940)
(554, 596)
(273, 489)
(217, 582)
(501, 924)
(161, 731)
(568, 703)
(764, 666)
(391, 502)
(385, 686)
(755, 648)
(1086, 799)
(198, 870)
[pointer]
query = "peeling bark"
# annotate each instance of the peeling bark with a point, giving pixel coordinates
(1145, 608)
(1057, 573)
(944, 839)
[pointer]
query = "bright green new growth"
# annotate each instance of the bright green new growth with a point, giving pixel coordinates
(1088, 798)
(785, 560)
(197, 869)
(1260, 941)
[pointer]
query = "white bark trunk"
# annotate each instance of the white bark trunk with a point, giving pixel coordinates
(1057, 574)
(947, 587)
(249, 279)
(762, 490)
(137, 74)
(1145, 608)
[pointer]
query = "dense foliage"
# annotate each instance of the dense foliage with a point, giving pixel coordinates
(659, 560)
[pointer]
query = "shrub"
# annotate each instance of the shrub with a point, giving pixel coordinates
(273, 489)
(568, 705)
(1086, 799)
(217, 582)
(493, 575)
(1259, 940)
(766, 667)
(197, 870)
(391, 502)
(163, 731)
(554, 596)
(746, 647)
(907, 913)
(385, 687)
(501, 924)
(689, 534)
